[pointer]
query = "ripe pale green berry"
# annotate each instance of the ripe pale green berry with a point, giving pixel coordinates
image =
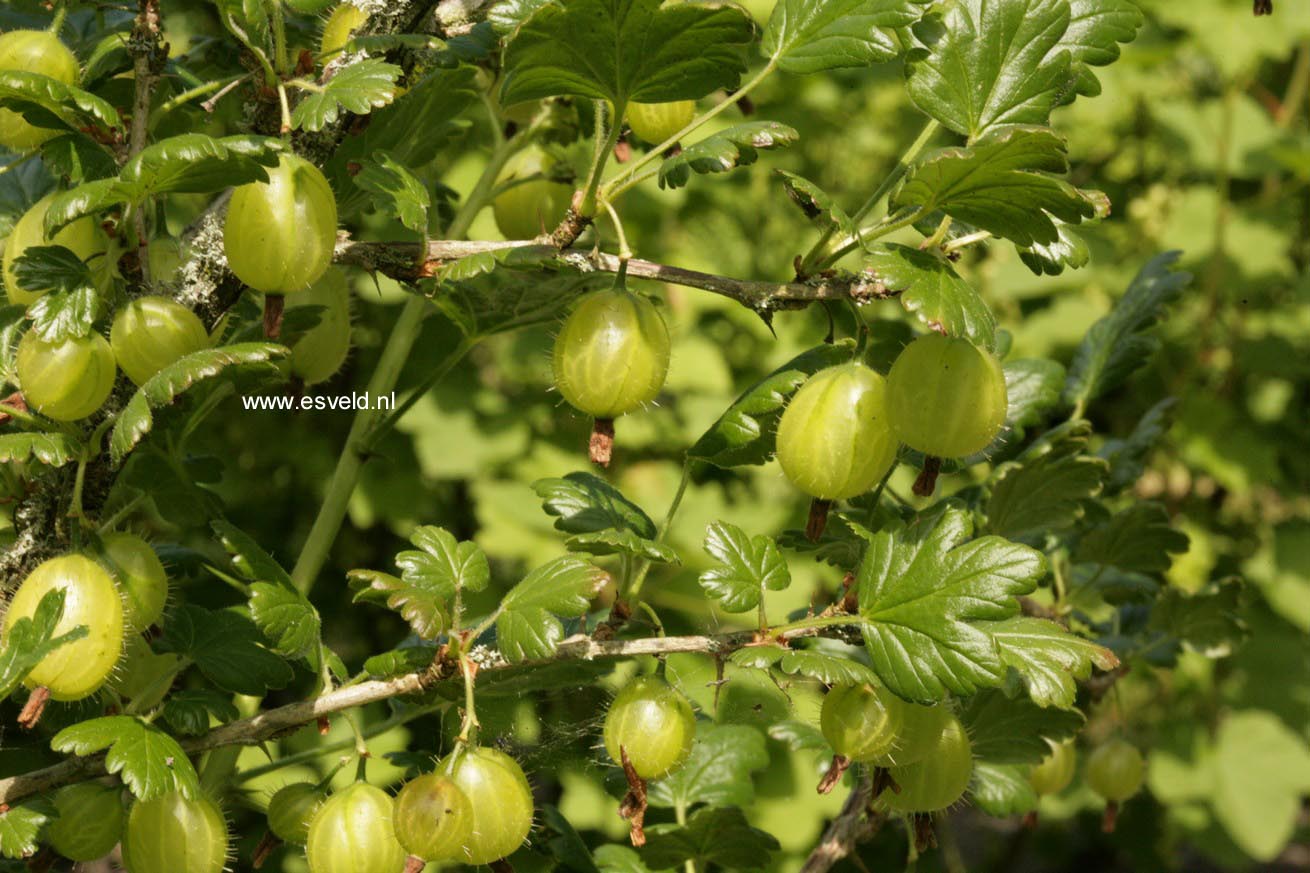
(653, 723)
(340, 25)
(279, 235)
(171, 834)
(77, 669)
(290, 810)
(142, 676)
(1056, 770)
(939, 780)
(140, 576)
(32, 51)
(612, 354)
(319, 353)
(90, 821)
(834, 439)
(1115, 770)
(500, 797)
(657, 122)
(861, 722)
(921, 727)
(534, 207)
(433, 818)
(351, 832)
(946, 397)
(82, 237)
(65, 380)
(150, 333)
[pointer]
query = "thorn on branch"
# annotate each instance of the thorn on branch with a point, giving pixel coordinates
(836, 770)
(633, 806)
(33, 709)
(849, 601)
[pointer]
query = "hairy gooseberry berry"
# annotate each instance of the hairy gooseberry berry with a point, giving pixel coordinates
(279, 235)
(500, 797)
(150, 333)
(65, 380)
(351, 832)
(78, 668)
(1054, 773)
(433, 818)
(340, 25)
(82, 237)
(320, 351)
(140, 577)
(1114, 770)
(946, 396)
(653, 723)
(834, 439)
(290, 810)
(937, 781)
(171, 834)
(657, 122)
(529, 208)
(142, 676)
(89, 822)
(861, 722)
(32, 51)
(921, 727)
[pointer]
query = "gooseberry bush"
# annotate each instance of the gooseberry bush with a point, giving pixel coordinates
(919, 619)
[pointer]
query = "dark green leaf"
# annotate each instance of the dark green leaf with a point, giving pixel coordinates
(745, 567)
(1209, 622)
(930, 288)
(398, 661)
(20, 827)
(360, 87)
(429, 579)
(227, 647)
(188, 711)
(809, 36)
(828, 661)
(1139, 539)
(567, 845)
(584, 503)
(721, 837)
(251, 561)
(396, 190)
(1032, 386)
(718, 771)
(920, 591)
(1044, 490)
(732, 147)
(51, 104)
(1128, 457)
(1002, 790)
(149, 761)
(745, 433)
(820, 207)
(1048, 658)
(1117, 345)
(624, 50)
(287, 619)
(1005, 183)
(990, 63)
(51, 449)
(1006, 730)
(617, 858)
(77, 158)
(136, 419)
(1096, 27)
(619, 542)
(1050, 259)
(527, 628)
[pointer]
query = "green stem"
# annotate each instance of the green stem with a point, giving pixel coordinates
(815, 622)
(600, 158)
(404, 334)
(280, 58)
(468, 732)
(218, 769)
(883, 228)
(817, 256)
(429, 382)
(199, 91)
(657, 153)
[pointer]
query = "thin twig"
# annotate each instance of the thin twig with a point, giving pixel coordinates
(853, 825)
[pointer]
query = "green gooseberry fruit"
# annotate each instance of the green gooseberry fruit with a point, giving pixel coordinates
(653, 723)
(1054, 773)
(66, 380)
(528, 209)
(76, 669)
(834, 439)
(89, 822)
(433, 818)
(939, 780)
(32, 51)
(351, 832)
(291, 809)
(318, 353)
(921, 726)
(171, 834)
(340, 25)
(657, 122)
(150, 333)
(612, 354)
(500, 798)
(1115, 770)
(82, 237)
(946, 397)
(861, 722)
(141, 578)
(142, 676)
(279, 235)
